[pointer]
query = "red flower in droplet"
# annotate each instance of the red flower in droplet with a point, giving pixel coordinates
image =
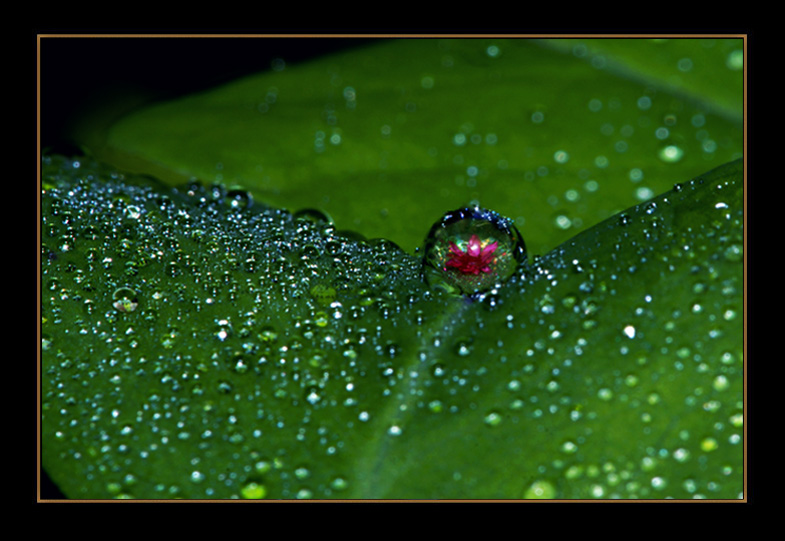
(475, 259)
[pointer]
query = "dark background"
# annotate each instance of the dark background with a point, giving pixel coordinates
(79, 75)
(113, 75)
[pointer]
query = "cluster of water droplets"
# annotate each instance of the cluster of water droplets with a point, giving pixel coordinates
(637, 319)
(686, 267)
(259, 353)
(198, 316)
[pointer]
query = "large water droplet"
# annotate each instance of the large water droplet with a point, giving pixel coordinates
(470, 250)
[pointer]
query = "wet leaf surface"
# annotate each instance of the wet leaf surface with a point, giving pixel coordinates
(198, 345)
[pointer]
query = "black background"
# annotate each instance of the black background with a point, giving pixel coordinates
(81, 74)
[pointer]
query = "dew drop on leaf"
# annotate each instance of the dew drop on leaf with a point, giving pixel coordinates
(671, 154)
(253, 491)
(540, 490)
(124, 299)
(471, 250)
(493, 418)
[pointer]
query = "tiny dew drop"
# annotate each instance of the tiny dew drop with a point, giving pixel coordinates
(540, 490)
(339, 483)
(734, 253)
(671, 154)
(253, 491)
(471, 250)
(463, 348)
(124, 299)
(493, 418)
(238, 199)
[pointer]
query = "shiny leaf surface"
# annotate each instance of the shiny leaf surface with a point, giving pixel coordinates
(195, 346)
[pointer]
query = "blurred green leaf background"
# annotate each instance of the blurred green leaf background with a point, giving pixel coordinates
(556, 134)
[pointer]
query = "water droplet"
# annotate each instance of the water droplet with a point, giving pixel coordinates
(339, 483)
(597, 491)
(671, 154)
(223, 329)
(197, 476)
(605, 394)
(470, 250)
(562, 222)
(304, 494)
(463, 348)
(253, 491)
(263, 466)
(644, 193)
(636, 175)
(492, 51)
(734, 252)
(540, 490)
(721, 383)
(238, 199)
(494, 418)
(658, 483)
(323, 294)
(681, 454)
(709, 444)
(321, 319)
(438, 370)
(569, 447)
(435, 406)
(133, 212)
(685, 64)
(644, 103)
(124, 299)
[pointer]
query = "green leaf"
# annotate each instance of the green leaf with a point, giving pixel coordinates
(707, 71)
(556, 134)
(197, 347)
